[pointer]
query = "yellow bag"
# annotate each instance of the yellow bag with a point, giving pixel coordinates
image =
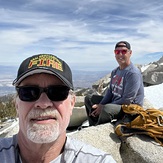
(149, 122)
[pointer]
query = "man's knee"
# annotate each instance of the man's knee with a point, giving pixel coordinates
(113, 110)
(87, 99)
(87, 102)
(96, 99)
(104, 117)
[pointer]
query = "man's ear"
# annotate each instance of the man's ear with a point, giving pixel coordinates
(73, 100)
(130, 53)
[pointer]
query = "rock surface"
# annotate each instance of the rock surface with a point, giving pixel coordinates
(154, 73)
(101, 137)
(141, 149)
(78, 117)
(133, 149)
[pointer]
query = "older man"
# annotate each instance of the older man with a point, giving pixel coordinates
(44, 104)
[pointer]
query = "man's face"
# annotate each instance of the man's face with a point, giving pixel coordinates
(43, 120)
(122, 55)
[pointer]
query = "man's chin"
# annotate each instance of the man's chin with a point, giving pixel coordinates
(43, 133)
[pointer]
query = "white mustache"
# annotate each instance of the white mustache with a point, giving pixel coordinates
(37, 113)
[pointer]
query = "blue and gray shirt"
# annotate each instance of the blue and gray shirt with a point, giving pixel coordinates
(74, 152)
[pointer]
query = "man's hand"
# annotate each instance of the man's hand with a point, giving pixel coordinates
(97, 110)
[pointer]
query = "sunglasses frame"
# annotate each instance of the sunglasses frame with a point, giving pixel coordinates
(123, 51)
(39, 90)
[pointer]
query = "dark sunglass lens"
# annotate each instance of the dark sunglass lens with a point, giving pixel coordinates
(58, 93)
(28, 93)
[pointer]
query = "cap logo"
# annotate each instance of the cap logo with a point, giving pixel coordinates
(44, 60)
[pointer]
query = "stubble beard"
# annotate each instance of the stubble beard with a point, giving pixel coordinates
(43, 133)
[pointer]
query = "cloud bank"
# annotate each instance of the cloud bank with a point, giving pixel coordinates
(83, 33)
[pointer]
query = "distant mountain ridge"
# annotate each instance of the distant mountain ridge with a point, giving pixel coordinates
(81, 79)
(152, 74)
(85, 79)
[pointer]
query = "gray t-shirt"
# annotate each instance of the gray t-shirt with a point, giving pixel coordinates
(126, 87)
(74, 152)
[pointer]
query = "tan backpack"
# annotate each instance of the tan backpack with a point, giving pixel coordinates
(149, 122)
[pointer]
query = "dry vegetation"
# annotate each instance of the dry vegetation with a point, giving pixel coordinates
(7, 108)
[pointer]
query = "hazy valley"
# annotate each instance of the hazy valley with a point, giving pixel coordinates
(82, 79)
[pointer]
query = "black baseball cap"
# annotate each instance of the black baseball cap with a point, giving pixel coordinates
(126, 44)
(45, 63)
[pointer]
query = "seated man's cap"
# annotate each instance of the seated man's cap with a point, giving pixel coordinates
(45, 63)
(126, 44)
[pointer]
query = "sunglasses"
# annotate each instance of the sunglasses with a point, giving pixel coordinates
(32, 93)
(123, 52)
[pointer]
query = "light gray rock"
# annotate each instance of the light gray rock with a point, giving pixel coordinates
(101, 85)
(78, 117)
(141, 149)
(11, 130)
(80, 99)
(153, 74)
(133, 149)
(102, 137)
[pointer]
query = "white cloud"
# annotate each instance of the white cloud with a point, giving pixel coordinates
(83, 33)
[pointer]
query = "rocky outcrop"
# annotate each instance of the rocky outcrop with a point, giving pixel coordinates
(78, 117)
(101, 85)
(153, 76)
(101, 137)
(154, 73)
(134, 149)
(141, 149)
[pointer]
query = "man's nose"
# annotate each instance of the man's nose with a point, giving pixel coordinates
(43, 101)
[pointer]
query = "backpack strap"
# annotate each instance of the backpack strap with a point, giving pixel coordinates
(148, 122)
(123, 131)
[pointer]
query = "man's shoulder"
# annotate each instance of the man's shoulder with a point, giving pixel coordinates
(133, 69)
(7, 143)
(78, 144)
(88, 152)
(8, 149)
(114, 70)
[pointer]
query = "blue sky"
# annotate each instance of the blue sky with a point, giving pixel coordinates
(83, 33)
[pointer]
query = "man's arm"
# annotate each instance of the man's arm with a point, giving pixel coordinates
(107, 98)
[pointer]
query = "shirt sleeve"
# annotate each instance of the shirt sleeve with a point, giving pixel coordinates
(107, 98)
